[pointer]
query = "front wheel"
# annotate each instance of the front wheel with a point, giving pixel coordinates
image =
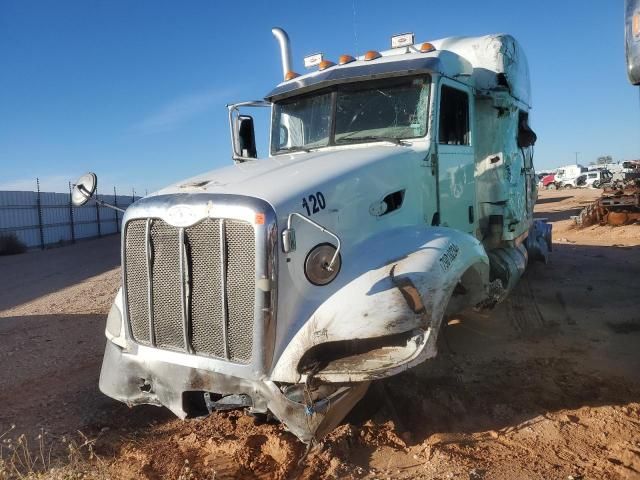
(567, 186)
(551, 186)
(596, 184)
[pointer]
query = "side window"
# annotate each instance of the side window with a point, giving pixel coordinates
(454, 117)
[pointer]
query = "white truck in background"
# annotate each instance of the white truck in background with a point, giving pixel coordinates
(571, 176)
(399, 188)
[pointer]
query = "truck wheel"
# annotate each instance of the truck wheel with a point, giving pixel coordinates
(596, 184)
(551, 186)
(567, 186)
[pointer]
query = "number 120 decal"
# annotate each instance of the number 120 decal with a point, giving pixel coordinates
(314, 203)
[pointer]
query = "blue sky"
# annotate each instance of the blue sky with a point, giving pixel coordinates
(135, 90)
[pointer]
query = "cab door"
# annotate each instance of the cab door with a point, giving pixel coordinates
(456, 159)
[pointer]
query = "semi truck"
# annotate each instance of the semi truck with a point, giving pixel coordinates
(398, 189)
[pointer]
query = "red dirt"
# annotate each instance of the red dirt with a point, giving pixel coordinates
(546, 386)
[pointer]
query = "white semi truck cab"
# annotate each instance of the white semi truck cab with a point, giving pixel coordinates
(399, 188)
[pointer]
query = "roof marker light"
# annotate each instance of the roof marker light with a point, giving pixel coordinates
(344, 59)
(290, 76)
(371, 55)
(314, 60)
(427, 47)
(402, 40)
(325, 64)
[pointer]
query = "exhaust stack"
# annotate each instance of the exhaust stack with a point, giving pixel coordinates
(285, 49)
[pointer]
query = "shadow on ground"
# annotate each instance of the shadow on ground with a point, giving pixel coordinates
(34, 274)
(541, 201)
(554, 345)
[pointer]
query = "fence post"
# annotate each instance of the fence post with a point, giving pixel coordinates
(39, 204)
(73, 230)
(98, 214)
(115, 203)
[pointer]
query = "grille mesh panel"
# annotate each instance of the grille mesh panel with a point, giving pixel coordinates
(135, 258)
(204, 289)
(167, 303)
(240, 288)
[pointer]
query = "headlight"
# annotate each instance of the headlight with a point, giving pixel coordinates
(316, 266)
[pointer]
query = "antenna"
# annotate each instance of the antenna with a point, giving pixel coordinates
(355, 29)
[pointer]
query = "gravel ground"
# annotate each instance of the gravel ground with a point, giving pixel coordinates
(546, 386)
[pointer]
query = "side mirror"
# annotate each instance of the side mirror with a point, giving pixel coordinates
(84, 189)
(284, 136)
(244, 138)
(632, 41)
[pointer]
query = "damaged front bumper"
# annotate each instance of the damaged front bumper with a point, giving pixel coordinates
(137, 379)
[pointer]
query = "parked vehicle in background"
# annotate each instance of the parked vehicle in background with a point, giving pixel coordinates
(548, 182)
(570, 176)
(631, 170)
(399, 188)
(597, 178)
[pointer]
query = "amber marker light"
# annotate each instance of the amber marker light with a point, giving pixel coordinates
(427, 47)
(344, 59)
(291, 76)
(325, 64)
(259, 219)
(371, 55)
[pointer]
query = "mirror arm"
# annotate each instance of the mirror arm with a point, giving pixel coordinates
(102, 203)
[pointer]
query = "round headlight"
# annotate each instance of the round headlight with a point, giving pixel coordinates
(316, 266)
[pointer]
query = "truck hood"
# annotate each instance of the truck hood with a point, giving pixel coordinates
(278, 179)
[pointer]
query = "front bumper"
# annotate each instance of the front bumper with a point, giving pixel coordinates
(136, 380)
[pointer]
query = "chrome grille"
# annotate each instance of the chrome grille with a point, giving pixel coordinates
(240, 302)
(207, 297)
(207, 317)
(165, 286)
(135, 259)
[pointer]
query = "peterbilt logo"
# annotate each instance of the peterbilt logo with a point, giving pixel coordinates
(181, 216)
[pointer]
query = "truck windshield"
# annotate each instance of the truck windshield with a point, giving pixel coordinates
(374, 111)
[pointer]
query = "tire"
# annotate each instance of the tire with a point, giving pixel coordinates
(596, 184)
(552, 186)
(567, 186)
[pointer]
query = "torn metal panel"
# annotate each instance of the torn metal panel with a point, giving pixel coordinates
(387, 319)
(409, 292)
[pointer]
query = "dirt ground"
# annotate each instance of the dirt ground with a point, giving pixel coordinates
(546, 386)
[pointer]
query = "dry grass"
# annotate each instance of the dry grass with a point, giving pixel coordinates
(21, 459)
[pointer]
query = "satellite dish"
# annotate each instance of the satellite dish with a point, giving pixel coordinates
(84, 189)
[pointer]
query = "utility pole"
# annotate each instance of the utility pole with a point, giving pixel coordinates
(576, 157)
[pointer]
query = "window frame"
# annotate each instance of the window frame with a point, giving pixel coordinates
(333, 90)
(464, 90)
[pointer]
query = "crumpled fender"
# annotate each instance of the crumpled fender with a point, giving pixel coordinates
(401, 283)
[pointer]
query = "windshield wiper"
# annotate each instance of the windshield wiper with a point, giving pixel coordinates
(374, 138)
(294, 149)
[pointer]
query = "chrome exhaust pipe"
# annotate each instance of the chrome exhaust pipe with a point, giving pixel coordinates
(285, 49)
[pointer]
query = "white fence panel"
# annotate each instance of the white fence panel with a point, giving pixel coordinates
(40, 219)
